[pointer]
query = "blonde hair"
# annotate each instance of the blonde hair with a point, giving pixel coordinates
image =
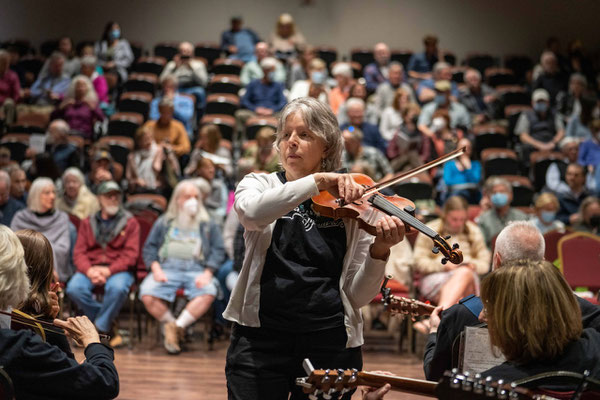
(173, 211)
(546, 198)
(14, 283)
(397, 95)
(531, 311)
(454, 203)
(90, 96)
(35, 191)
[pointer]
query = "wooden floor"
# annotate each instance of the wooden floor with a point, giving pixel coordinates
(147, 372)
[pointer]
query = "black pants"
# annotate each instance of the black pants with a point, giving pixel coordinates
(263, 364)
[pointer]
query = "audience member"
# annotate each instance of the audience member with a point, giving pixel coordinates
(212, 189)
(386, 91)
(570, 200)
(444, 100)
(445, 284)
(151, 166)
(342, 72)
(570, 103)
(359, 91)
(298, 70)
(18, 183)
(317, 77)
(79, 107)
(113, 52)
(38, 369)
(75, 198)
(409, 148)
(183, 250)
(287, 40)
(540, 129)
(42, 216)
(391, 118)
(88, 68)
(555, 175)
(252, 70)
(8, 205)
(551, 79)
(356, 115)
(546, 208)
(356, 152)
(49, 90)
(106, 250)
(169, 133)
(263, 157)
(72, 62)
(478, 98)
(183, 106)
(190, 73)
(209, 145)
(102, 169)
(589, 220)
(239, 42)
(64, 153)
(463, 175)
(589, 151)
(10, 90)
(442, 71)
(378, 72)
(500, 194)
(263, 97)
(420, 65)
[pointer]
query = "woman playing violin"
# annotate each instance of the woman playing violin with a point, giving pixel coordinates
(304, 276)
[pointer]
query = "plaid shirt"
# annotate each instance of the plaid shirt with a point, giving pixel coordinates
(371, 156)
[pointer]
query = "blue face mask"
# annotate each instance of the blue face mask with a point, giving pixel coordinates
(440, 99)
(499, 199)
(547, 216)
(271, 76)
(541, 107)
(115, 33)
(318, 77)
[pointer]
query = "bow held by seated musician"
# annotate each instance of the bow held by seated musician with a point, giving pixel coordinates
(305, 276)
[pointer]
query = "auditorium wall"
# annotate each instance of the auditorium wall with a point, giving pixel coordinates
(509, 26)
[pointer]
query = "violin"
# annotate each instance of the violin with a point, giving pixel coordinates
(327, 205)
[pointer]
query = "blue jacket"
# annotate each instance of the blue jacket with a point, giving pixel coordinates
(259, 94)
(212, 243)
(371, 136)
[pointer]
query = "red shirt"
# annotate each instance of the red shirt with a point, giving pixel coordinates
(9, 86)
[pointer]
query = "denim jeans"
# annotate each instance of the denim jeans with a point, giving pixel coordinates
(116, 289)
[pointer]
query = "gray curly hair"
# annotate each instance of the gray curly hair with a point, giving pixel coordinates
(321, 121)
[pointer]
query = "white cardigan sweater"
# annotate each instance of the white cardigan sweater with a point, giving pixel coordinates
(260, 199)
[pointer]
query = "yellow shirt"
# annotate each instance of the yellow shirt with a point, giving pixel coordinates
(174, 133)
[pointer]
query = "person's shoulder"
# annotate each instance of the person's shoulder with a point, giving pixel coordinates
(516, 213)
(429, 107)
(435, 224)
(178, 125)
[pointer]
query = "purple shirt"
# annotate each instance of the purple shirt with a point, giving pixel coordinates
(80, 117)
(9, 86)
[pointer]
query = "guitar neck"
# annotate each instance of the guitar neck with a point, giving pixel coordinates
(411, 306)
(406, 385)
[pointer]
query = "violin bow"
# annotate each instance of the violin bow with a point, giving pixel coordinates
(415, 171)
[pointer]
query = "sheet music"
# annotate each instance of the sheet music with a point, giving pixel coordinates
(476, 354)
(37, 143)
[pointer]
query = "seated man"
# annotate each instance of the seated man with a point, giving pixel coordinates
(18, 183)
(8, 205)
(478, 97)
(356, 115)
(378, 72)
(183, 106)
(384, 95)
(357, 152)
(10, 89)
(556, 173)
(572, 103)
(459, 116)
(50, 89)
(589, 151)
(570, 200)
(540, 129)
(263, 97)
(552, 79)
(441, 72)
(500, 194)
(167, 131)
(252, 70)
(102, 168)
(184, 250)
(420, 64)
(239, 42)
(106, 252)
(190, 73)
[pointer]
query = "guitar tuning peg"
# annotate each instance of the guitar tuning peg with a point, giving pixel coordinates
(308, 367)
(314, 396)
(326, 396)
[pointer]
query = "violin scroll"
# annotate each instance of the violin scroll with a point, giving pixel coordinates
(450, 253)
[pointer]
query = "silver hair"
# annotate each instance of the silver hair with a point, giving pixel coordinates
(14, 283)
(90, 95)
(62, 126)
(496, 180)
(75, 172)
(440, 65)
(168, 77)
(355, 102)
(38, 185)
(268, 63)
(342, 69)
(520, 240)
(321, 121)
(567, 141)
(89, 61)
(57, 55)
(173, 211)
(473, 71)
(396, 64)
(578, 77)
(166, 102)
(547, 54)
(4, 176)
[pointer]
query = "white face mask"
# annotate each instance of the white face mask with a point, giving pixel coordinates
(438, 124)
(111, 210)
(190, 207)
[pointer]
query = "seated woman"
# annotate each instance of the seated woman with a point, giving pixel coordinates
(145, 165)
(114, 54)
(590, 216)
(409, 147)
(183, 250)
(343, 74)
(42, 216)
(286, 41)
(445, 284)
(534, 319)
(391, 118)
(263, 157)
(80, 108)
(42, 301)
(213, 189)
(462, 175)
(546, 207)
(41, 370)
(75, 198)
(209, 145)
(359, 90)
(317, 79)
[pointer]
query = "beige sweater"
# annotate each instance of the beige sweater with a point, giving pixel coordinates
(85, 205)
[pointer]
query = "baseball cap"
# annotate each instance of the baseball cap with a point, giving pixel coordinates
(109, 186)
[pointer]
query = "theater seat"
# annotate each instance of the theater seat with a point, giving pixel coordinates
(222, 103)
(522, 190)
(498, 161)
(254, 124)
(141, 82)
(124, 124)
(226, 124)
(119, 147)
(499, 76)
(489, 136)
(362, 56)
(208, 51)
(540, 161)
(227, 66)
(224, 84)
(136, 102)
(166, 50)
(150, 65)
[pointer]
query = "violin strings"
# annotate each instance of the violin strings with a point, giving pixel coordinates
(393, 209)
(33, 325)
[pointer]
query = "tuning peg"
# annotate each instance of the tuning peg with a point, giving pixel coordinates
(308, 367)
(455, 383)
(455, 246)
(444, 260)
(435, 250)
(447, 237)
(327, 396)
(314, 396)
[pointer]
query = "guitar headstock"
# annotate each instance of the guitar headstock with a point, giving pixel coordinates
(402, 305)
(455, 385)
(327, 382)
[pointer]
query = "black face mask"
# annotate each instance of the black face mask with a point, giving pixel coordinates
(415, 119)
(184, 57)
(595, 221)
